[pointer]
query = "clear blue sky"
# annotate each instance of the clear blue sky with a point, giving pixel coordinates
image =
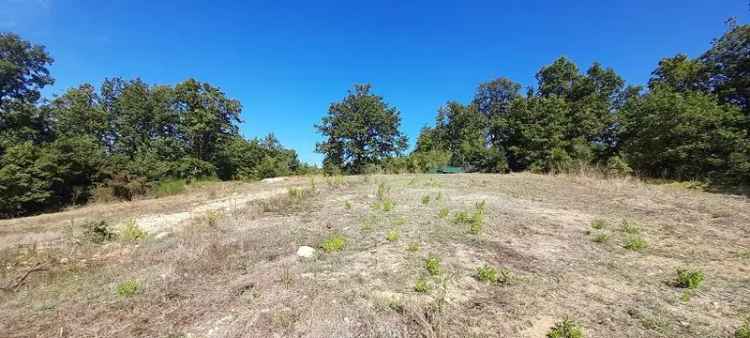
(287, 61)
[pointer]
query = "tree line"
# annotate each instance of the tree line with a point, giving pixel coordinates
(117, 141)
(691, 122)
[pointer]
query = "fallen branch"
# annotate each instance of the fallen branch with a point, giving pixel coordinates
(13, 286)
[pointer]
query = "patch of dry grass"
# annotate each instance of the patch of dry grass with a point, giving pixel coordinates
(229, 268)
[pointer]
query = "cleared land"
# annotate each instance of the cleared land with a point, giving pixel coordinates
(220, 260)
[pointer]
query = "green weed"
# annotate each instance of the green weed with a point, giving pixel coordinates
(335, 243)
(688, 279)
(635, 243)
(131, 232)
(432, 265)
(566, 329)
(128, 288)
(421, 286)
(392, 235)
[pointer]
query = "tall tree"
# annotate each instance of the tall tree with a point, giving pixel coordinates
(728, 67)
(361, 129)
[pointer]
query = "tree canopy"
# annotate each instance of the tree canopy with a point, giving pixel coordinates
(360, 130)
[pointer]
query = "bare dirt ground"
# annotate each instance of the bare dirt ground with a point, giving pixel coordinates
(220, 261)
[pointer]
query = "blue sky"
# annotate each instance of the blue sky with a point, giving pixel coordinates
(287, 61)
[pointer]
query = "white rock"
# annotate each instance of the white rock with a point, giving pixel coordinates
(306, 251)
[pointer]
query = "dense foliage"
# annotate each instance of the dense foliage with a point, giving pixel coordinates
(691, 123)
(115, 142)
(360, 130)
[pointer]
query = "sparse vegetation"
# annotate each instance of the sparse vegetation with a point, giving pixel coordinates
(487, 273)
(635, 243)
(425, 199)
(98, 232)
(443, 213)
(744, 330)
(473, 220)
(128, 288)
(432, 265)
(598, 224)
(630, 227)
(689, 279)
(601, 238)
(212, 218)
(421, 286)
(131, 232)
(335, 243)
(566, 329)
(392, 235)
(413, 247)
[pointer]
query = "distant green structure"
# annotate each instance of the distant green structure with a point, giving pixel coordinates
(446, 169)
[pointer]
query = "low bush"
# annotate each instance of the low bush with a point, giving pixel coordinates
(635, 243)
(421, 286)
(743, 331)
(688, 279)
(131, 232)
(432, 265)
(335, 243)
(392, 235)
(566, 329)
(128, 288)
(98, 232)
(601, 238)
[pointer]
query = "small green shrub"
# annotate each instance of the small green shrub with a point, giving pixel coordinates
(473, 220)
(413, 247)
(335, 243)
(565, 329)
(212, 218)
(630, 227)
(388, 205)
(128, 288)
(425, 199)
(392, 235)
(743, 331)
(635, 243)
(601, 238)
(432, 265)
(598, 224)
(487, 274)
(443, 213)
(98, 232)
(131, 232)
(688, 279)
(348, 205)
(421, 286)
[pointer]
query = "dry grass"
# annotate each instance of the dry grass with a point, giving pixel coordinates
(225, 266)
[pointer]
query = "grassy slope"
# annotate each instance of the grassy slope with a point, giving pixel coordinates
(239, 276)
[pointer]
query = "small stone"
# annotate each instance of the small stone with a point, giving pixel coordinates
(306, 252)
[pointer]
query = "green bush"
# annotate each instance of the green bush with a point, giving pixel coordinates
(392, 235)
(744, 330)
(630, 227)
(635, 243)
(487, 274)
(432, 265)
(688, 279)
(98, 232)
(128, 288)
(131, 232)
(335, 243)
(566, 329)
(421, 286)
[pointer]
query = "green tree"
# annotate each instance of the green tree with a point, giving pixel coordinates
(23, 74)
(728, 67)
(362, 129)
(684, 135)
